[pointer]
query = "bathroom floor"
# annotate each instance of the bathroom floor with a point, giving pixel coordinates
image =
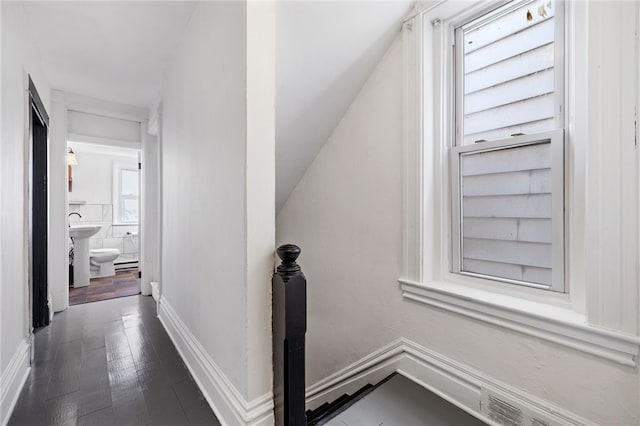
(124, 283)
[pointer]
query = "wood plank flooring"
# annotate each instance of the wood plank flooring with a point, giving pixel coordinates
(124, 283)
(109, 363)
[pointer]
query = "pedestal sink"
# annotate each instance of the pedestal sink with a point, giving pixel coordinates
(81, 235)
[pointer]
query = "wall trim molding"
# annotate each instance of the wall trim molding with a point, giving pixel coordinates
(229, 405)
(457, 383)
(13, 379)
(610, 345)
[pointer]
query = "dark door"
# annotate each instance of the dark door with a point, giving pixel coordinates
(39, 122)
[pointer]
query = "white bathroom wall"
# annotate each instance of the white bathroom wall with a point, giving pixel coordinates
(346, 214)
(217, 160)
(18, 57)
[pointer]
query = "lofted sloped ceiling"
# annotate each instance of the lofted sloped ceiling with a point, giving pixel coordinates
(118, 50)
(324, 53)
(111, 50)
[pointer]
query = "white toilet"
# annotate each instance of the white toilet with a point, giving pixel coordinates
(101, 261)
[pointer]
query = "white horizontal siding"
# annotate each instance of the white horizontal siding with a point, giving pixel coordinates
(508, 47)
(516, 206)
(535, 230)
(508, 71)
(508, 229)
(507, 24)
(537, 275)
(524, 111)
(491, 228)
(511, 183)
(505, 270)
(531, 62)
(527, 87)
(529, 157)
(512, 252)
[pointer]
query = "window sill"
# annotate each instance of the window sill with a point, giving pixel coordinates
(555, 324)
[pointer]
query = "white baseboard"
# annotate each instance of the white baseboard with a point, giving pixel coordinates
(13, 378)
(457, 383)
(227, 403)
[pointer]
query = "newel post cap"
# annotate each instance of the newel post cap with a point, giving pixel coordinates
(288, 253)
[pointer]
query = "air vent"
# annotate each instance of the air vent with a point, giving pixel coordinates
(504, 413)
(510, 409)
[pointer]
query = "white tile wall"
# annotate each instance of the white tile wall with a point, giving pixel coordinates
(104, 232)
(130, 244)
(115, 243)
(91, 212)
(107, 213)
(122, 230)
(95, 243)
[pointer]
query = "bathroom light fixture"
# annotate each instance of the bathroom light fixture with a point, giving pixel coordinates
(71, 161)
(71, 157)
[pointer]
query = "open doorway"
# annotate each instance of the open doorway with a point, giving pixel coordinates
(104, 219)
(38, 209)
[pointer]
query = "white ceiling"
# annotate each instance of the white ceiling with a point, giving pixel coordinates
(118, 50)
(111, 50)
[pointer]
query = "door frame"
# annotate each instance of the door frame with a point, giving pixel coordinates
(33, 103)
(62, 103)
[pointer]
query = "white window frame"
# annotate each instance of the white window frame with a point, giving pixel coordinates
(118, 167)
(580, 319)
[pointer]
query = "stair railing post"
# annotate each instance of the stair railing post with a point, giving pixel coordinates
(289, 328)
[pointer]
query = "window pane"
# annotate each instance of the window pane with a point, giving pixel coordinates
(129, 190)
(506, 213)
(129, 183)
(129, 210)
(508, 72)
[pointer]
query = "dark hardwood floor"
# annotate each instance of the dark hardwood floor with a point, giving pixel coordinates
(109, 363)
(124, 283)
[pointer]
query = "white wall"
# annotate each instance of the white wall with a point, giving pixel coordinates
(346, 214)
(203, 184)
(18, 57)
(93, 176)
(217, 164)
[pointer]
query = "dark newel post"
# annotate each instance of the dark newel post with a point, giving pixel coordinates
(289, 328)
